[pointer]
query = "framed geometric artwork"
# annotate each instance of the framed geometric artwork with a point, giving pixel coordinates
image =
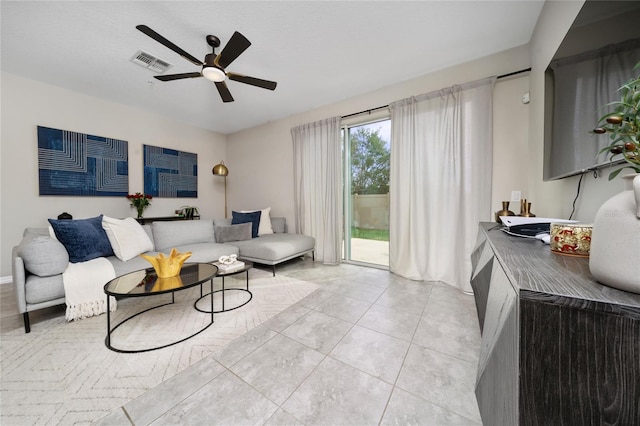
(170, 173)
(71, 163)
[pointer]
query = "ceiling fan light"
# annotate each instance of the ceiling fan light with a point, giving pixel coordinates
(213, 74)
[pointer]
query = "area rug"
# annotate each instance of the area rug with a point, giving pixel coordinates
(61, 373)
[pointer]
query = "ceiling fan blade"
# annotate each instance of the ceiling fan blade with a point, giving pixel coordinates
(265, 84)
(157, 37)
(171, 77)
(234, 48)
(225, 94)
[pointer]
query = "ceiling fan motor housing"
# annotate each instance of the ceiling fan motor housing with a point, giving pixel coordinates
(209, 60)
(211, 71)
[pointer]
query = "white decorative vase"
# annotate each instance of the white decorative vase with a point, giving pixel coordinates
(615, 241)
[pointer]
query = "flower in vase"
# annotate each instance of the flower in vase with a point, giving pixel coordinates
(140, 202)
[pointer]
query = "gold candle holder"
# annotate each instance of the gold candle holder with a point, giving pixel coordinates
(504, 212)
(525, 209)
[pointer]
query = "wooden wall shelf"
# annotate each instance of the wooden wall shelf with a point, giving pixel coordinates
(146, 220)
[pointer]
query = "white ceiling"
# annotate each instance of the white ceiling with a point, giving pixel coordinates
(319, 52)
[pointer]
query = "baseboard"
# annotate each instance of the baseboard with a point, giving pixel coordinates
(6, 280)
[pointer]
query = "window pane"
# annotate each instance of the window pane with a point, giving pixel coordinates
(368, 192)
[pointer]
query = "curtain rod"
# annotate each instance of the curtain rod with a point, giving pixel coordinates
(369, 111)
(513, 73)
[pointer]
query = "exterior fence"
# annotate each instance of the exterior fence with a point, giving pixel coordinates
(370, 211)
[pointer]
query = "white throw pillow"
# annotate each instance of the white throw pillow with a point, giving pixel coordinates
(127, 237)
(264, 227)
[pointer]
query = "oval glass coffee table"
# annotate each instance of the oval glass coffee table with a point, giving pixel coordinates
(247, 265)
(146, 283)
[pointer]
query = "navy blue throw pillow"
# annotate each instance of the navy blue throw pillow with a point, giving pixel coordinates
(253, 217)
(84, 239)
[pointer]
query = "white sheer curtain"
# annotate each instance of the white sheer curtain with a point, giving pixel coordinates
(440, 182)
(317, 184)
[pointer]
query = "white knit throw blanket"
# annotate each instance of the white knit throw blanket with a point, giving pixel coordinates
(83, 288)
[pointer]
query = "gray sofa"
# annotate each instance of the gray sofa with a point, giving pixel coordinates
(37, 270)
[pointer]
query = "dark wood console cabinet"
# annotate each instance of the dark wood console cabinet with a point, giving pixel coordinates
(558, 348)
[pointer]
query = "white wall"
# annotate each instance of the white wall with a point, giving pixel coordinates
(511, 143)
(555, 198)
(27, 104)
(261, 158)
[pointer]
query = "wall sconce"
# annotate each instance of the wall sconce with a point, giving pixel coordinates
(222, 170)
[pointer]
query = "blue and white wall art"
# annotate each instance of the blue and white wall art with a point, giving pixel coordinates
(71, 163)
(170, 173)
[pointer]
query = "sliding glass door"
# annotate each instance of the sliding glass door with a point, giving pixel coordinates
(366, 191)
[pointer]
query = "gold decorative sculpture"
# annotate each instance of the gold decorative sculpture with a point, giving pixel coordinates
(170, 283)
(167, 266)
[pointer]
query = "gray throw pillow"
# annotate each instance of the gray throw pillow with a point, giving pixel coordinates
(43, 256)
(230, 233)
(222, 222)
(279, 225)
(253, 217)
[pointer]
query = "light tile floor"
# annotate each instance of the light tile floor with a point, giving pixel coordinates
(368, 347)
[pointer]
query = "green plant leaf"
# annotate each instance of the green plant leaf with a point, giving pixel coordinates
(628, 108)
(615, 173)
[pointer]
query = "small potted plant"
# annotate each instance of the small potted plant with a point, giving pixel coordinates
(188, 212)
(616, 228)
(624, 126)
(140, 202)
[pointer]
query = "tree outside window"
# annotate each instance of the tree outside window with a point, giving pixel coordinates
(369, 161)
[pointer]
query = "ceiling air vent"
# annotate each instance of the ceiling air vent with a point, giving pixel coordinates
(147, 60)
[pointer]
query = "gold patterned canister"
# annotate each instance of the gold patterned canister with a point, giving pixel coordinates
(573, 239)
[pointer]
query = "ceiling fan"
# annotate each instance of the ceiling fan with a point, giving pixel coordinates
(213, 67)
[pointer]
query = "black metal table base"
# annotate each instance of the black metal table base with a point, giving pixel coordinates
(107, 340)
(223, 290)
(223, 308)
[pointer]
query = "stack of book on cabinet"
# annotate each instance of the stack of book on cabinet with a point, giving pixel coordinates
(226, 268)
